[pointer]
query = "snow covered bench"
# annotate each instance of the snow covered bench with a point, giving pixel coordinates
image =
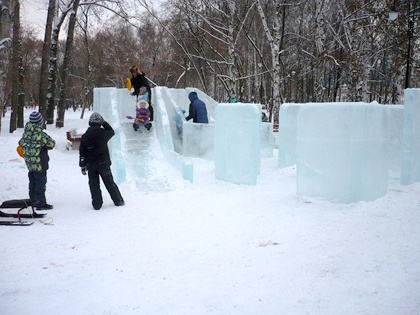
(74, 139)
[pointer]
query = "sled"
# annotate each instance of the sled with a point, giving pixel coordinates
(16, 223)
(19, 204)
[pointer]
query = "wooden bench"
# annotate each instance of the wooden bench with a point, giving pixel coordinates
(275, 127)
(74, 139)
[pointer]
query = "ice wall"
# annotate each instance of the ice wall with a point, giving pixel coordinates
(342, 151)
(164, 124)
(410, 169)
(287, 134)
(105, 102)
(170, 109)
(396, 123)
(177, 137)
(114, 105)
(266, 139)
(198, 140)
(126, 105)
(237, 143)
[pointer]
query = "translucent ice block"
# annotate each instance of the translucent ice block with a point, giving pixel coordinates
(287, 134)
(410, 169)
(342, 151)
(237, 143)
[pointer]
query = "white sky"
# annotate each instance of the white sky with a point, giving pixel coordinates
(34, 13)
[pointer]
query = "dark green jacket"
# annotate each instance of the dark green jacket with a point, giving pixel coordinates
(35, 144)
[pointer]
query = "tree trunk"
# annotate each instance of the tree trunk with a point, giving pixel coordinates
(4, 56)
(15, 67)
(43, 82)
(274, 37)
(52, 69)
(61, 109)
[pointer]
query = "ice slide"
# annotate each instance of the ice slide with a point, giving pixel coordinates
(148, 159)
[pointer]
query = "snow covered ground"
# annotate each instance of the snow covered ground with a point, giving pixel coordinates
(210, 247)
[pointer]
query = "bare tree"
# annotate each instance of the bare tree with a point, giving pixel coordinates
(274, 36)
(43, 75)
(52, 69)
(66, 63)
(5, 39)
(266, 51)
(17, 75)
(209, 34)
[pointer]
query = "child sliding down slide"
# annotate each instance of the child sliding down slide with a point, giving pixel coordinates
(142, 115)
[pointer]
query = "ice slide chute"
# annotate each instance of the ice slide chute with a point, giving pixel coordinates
(146, 159)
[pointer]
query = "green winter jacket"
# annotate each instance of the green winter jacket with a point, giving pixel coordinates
(35, 143)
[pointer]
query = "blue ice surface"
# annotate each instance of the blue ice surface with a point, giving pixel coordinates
(179, 140)
(396, 123)
(410, 167)
(287, 134)
(266, 139)
(237, 143)
(105, 102)
(342, 151)
(198, 140)
(168, 136)
(115, 105)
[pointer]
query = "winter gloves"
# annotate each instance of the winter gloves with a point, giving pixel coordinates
(82, 164)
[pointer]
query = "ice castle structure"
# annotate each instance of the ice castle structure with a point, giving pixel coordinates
(287, 134)
(342, 151)
(396, 123)
(410, 168)
(237, 143)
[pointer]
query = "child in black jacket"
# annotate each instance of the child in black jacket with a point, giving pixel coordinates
(94, 159)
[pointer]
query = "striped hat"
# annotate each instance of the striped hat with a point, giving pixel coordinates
(36, 118)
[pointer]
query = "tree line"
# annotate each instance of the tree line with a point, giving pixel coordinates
(263, 51)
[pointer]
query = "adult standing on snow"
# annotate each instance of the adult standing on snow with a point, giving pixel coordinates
(138, 80)
(35, 144)
(94, 160)
(197, 110)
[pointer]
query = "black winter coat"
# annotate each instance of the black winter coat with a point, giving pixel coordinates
(139, 81)
(93, 151)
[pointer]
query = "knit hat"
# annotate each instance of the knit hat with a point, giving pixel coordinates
(143, 101)
(96, 120)
(36, 118)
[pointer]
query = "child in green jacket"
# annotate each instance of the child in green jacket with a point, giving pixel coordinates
(35, 144)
